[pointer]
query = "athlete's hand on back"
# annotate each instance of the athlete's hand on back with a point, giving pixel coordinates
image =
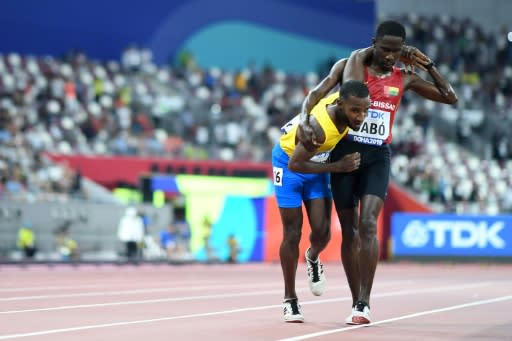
(348, 163)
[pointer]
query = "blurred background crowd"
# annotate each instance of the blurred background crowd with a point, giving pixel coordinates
(458, 158)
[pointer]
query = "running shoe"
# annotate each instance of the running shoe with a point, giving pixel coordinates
(361, 313)
(348, 320)
(316, 276)
(292, 311)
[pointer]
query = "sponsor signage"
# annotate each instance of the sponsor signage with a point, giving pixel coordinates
(451, 235)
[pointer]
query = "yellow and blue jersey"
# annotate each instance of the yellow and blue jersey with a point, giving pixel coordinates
(332, 135)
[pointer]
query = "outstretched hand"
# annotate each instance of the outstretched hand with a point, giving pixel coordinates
(413, 57)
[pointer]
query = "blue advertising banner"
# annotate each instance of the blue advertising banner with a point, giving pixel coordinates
(230, 34)
(451, 235)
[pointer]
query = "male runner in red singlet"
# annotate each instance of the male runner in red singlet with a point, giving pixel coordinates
(367, 187)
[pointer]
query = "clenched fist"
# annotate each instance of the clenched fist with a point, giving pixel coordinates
(348, 163)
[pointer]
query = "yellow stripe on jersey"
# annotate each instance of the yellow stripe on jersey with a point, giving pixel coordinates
(332, 135)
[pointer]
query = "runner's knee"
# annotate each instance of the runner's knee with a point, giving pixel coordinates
(349, 234)
(368, 227)
(349, 230)
(292, 234)
(322, 231)
(326, 233)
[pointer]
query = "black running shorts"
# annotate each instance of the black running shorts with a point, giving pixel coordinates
(372, 177)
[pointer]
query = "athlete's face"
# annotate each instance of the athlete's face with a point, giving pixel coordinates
(355, 110)
(387, 51)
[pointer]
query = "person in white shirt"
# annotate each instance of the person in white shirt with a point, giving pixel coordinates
(131, 232)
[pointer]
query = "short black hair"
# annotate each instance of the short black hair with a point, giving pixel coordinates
(353, 88)
(390, 28)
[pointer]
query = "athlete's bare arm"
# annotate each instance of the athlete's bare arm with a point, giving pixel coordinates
(300, 159)
(440, 90)
(322, 89)
(354, 67)
(334, 77)
(300, 162)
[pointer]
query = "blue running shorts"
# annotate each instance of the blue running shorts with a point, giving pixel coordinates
(292, 188)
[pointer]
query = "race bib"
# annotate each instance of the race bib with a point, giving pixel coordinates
(374, 130)
(290, 124)
(278, 176)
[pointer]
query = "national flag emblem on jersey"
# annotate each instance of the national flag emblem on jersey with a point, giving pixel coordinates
(391, 90)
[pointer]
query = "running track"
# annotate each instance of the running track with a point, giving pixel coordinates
(411, 301)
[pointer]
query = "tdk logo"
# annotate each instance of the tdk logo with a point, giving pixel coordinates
(376, 115)
(455, 234)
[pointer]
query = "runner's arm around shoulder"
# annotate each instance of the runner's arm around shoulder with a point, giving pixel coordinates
(439, 91)
(354, 68)
(322, 89)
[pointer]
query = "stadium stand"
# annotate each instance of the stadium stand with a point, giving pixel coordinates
(457, 159)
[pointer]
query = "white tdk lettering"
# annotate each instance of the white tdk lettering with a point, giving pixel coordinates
(383, 105)
(466, 234)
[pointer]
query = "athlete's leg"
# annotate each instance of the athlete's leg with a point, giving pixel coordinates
(319, 215)
(291, 219)
(374, 186)
(289, 188)
(318, 202)
(350, 245)
(371, 206)
(344, 187)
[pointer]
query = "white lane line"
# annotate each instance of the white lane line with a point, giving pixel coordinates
(218, 296)
(217, 285)
(398, 318)
(138, 291)
(116, 284)
(161, 300)
(232, 311)
(102, 284)
(54, 287)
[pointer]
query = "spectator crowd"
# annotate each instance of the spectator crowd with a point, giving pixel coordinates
(75, 105)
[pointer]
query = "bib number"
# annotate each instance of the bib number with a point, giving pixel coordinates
(278, 176)
(375, 128)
